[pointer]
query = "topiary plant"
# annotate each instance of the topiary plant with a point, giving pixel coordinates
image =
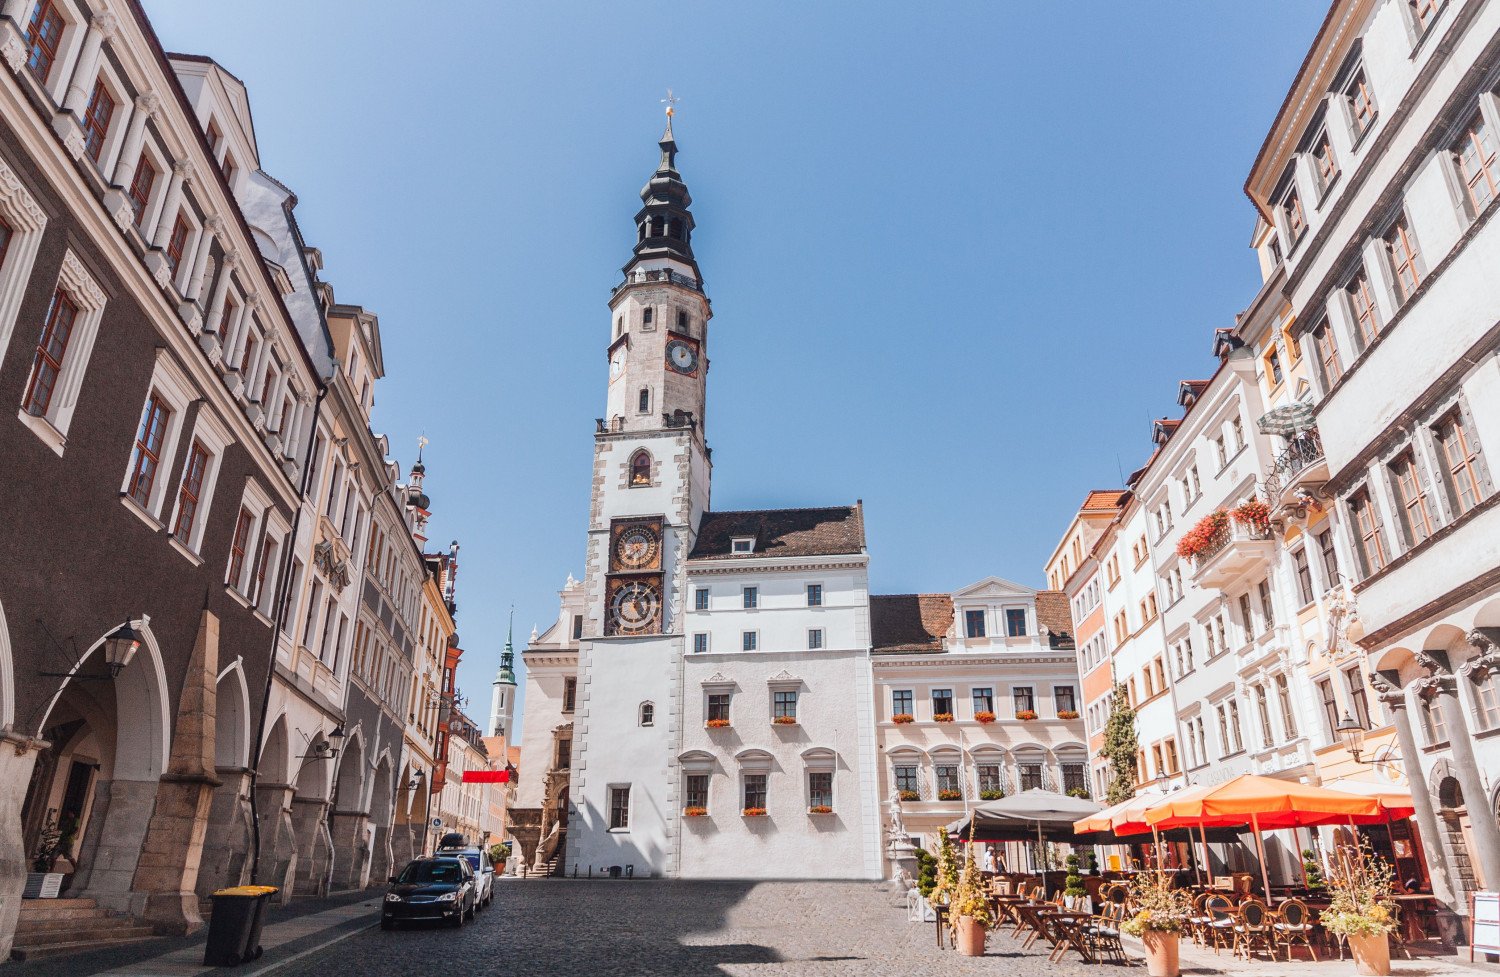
(1073, 884)
(1121, 747)
(926, 872)
(1312, 869)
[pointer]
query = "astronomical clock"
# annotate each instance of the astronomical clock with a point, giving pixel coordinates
(633, 594)
(682, 354)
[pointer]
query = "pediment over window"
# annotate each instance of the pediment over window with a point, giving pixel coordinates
(820, 758)
(697, 762)
(993, 587)
(717, 682)
(784, 680)
(753, 760)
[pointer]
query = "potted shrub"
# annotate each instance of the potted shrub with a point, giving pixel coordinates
(755, 812)
(969, 906)
(820, 809)
(1312, 870)
(1067, 714)
(950, 795)
(695, 812)
(991, 794)
(902, 718)
(1073, 890)
(1026, 714)
(717, 724)
(943, 717)
(42, 882)
(1161, 916)
(985, 716)
(785, 720)
(1362, 910)
(910, 795)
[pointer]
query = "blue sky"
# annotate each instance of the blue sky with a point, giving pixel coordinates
(959, 253)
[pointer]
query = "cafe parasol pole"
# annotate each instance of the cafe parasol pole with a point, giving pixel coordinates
(1260, 849)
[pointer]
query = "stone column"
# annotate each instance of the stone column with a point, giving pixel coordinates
(382, 854)
(17, 757)
(166, 877)
(278, 845)
(226, 844)
(1443, 684)
(181, 172)
(211, 227)
(220, 293)
(1438, 869)
(146, 105)
(80, 87)
(314, 846)
(351, 848)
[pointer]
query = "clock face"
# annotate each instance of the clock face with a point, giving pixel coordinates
(682, 356)
(635, 606)
(616, 364)
(636, 548)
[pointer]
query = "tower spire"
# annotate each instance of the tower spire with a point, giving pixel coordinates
(664, 224)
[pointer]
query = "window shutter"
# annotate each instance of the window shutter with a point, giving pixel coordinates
(1481, 467)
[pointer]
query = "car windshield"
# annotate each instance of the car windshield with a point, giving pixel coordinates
(429, 872)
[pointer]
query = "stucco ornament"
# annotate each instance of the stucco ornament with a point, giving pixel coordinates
(1488, 661)
(1342, 612)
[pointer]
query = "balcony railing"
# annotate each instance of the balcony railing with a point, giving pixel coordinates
(1305, 451)
(641, 275)
(1234, 548)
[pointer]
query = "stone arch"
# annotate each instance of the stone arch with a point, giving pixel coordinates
(310, 801)
(7, 676)
(349, 816)
(273, 797)
(638, 471)
(232, 723)
(382, 819)
(121, 727)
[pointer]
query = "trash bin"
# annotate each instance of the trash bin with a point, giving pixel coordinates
(234, 926)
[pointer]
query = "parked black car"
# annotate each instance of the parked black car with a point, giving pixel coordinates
(439, 888)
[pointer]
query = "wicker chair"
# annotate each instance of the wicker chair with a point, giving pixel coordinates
(1103, 933)
(1220, 927)
(1293, 925)
(1253, 931)
(1198, 922)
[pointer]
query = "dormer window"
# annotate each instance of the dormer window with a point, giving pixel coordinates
(742, 544)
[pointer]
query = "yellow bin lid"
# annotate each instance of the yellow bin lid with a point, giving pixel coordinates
(247, 890)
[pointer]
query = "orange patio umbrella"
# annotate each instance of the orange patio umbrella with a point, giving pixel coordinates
(1261, 803)
(1124, 818)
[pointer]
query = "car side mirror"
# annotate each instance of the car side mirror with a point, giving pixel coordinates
(489, 870)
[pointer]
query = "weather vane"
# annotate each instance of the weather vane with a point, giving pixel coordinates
(670, 102)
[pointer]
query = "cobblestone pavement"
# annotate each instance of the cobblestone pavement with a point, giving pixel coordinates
(710, 929)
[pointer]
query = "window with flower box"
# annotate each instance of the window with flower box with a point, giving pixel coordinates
(755, 793)
(1023, 698)
(718, 708)
(984, 700)
(906, 781)
(820, 791)
(696, 793)
(784, 705)
(948, 784)
(902, 702)
(942, 702)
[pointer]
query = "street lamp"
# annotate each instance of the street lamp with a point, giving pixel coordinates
(120, 647)
(1353, 735)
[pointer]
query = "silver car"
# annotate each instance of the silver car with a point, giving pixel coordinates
(484, 871)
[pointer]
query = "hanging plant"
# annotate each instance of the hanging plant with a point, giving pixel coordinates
(1067, 714)
(1201, 536)
(1253, 514)
(950, 795)
(717, 724)
(984, 717)
(943, 717)
(910, 795)
(1026, 714)
(902, 718)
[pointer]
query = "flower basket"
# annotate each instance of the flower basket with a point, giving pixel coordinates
(1067, 714)
(1026, 714)
(785, 721)
(695, 812)
(991, 794)
(1254, 514)
(942, 717)
(902, 718)
(820, 809)
(754, 812)
(910, 795)
(985, 717)
(1201, 536)
(950, 795)
(717, 724)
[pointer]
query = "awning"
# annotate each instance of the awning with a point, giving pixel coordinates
(1288, 419)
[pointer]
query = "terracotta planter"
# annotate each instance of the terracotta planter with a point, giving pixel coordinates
(968, 936)
(1372, 955)
(1161, 953)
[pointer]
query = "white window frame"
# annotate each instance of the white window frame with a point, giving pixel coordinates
(742, 544)
(704, 650)
(754, 637)
(27, 221)
(254, 499)
(75, 25)
(85, 292)
(172, 385)
(216, 439)
(114, 139)
(272, 522)
(820, 644)
(629, 808)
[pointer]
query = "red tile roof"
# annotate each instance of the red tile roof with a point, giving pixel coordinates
(1055, 614)
(909, 624)
(831, 531)
(1103, 499)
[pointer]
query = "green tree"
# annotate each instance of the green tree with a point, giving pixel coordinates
(1121, 747)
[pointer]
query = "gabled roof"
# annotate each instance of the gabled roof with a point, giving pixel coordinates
(994, 587)
(1054, 613)
(909, 624)
(1103, 500)
(832, 531)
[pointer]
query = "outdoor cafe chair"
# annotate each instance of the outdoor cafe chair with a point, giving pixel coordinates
(1220, 928)
(1294, 925)
(1198, 922)
(1253, 930)
(1103, 933)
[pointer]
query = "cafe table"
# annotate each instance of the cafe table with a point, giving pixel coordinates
(1065, 931)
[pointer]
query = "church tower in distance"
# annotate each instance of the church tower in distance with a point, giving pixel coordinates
(650, 488)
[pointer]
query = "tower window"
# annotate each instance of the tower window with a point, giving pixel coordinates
(640, 468)
(647, 315)
(682, 319)
(644, 401)
(648, 714)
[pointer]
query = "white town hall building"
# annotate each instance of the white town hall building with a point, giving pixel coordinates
(703, 705)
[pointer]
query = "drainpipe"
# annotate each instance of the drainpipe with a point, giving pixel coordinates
(283, 587)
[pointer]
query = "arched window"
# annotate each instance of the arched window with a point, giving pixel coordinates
(640, 469)
(648, 714)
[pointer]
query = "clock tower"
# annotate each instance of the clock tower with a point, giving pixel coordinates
(650, 488)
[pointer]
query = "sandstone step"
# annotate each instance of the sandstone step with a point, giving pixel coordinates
(29, 906)
(104, 931)
(80, 946)
(44, 924)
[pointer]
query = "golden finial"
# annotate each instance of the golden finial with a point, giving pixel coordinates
(670, 102)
